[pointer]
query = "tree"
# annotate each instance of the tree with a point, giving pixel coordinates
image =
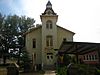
(11, 29)
(3, 45)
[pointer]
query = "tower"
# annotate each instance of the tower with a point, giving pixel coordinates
(49, 35)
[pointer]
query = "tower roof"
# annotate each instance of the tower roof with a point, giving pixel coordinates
(49, 3)
(49, 9)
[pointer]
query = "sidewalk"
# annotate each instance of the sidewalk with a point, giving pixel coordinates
(50, 72)
(47, 72)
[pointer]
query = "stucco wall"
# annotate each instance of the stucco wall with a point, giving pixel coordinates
(61, 34)
(46, 32)
(29, 42)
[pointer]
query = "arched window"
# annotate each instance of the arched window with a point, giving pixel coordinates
(49, 24)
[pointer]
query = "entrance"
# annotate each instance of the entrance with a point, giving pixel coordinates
(50, 58)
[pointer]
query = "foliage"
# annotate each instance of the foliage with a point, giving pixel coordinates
(77, 69)
(66, 59)
(63, 60)
(24, 56)
(97, 72)
(11, 29)
(85, 69)
(73, 60)
(62, 70)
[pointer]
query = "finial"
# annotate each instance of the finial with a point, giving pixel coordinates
(49, 5)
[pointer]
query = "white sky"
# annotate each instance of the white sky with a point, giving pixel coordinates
(79, 16)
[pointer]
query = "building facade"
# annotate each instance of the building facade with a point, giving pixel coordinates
(91, 58)
(42, 40)
(83, 52)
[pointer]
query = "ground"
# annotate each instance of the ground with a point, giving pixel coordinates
(48, 72)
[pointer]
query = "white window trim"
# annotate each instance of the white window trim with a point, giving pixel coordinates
(90, 57)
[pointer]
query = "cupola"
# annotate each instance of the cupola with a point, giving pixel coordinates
(49, 10)
(49, 5)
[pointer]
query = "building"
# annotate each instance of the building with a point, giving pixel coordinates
(42, 40)
(85, 52)
(91, 58)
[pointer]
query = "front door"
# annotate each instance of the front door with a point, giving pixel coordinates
(49, 59)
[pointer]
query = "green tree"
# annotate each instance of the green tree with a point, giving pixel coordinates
(11, 29)
(66, 59)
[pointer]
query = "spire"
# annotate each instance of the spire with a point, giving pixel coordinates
(49, 5)
(49, 10)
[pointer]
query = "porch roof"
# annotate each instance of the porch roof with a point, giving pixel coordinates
(78, 47)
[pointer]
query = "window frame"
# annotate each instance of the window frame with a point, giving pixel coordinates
(49, 40)
(49, 24)
(90, 57)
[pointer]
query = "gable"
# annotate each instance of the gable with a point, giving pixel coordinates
(62, 34)
(65, 30)
(32, 30)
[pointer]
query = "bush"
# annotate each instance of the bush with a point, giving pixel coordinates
(97, 72)
(62, 70)
(77, 69)
(86, 69)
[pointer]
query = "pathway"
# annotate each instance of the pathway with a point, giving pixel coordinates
(50, 72)
(47, 72)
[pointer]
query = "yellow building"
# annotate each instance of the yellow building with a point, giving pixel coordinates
(42, 40)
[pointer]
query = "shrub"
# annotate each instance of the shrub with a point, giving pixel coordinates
(62, 70)
(97, 72)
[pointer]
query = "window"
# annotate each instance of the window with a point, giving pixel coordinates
(87, 57)
(49, 41)
(92, 57)
(34, 43)
(84, 57)
(34, 56)
(95, 56)
(51, 57)
(64, 39)
(49, 24)
(47, 57)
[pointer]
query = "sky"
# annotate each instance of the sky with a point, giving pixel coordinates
(79, 16)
